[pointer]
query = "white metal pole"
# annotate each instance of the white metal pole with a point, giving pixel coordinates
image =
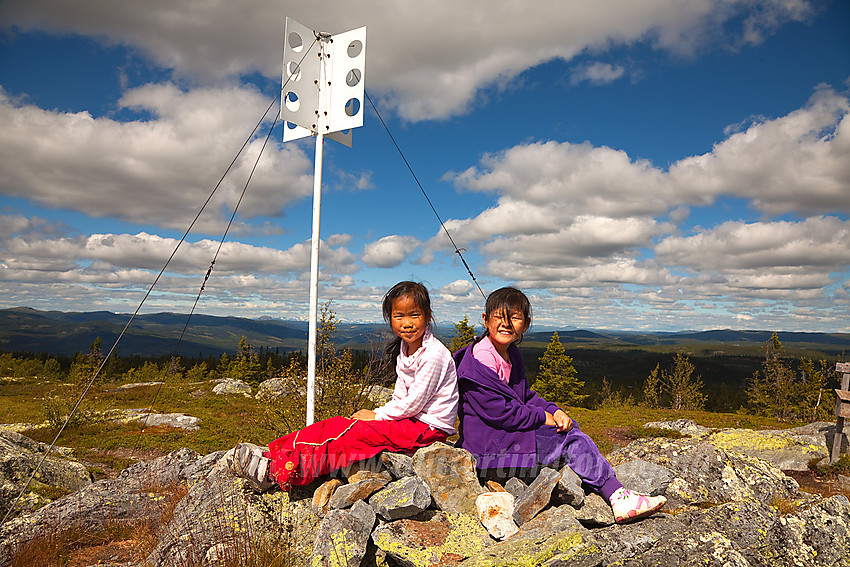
(314, 283)
(321, 120)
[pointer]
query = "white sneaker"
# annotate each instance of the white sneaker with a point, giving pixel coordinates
(250, 464)
(629, 506)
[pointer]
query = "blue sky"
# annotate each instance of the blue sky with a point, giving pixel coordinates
(651, 165)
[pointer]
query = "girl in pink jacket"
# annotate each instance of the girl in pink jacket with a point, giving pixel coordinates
(422, 410)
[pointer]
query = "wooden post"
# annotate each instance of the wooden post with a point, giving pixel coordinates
(842, 409)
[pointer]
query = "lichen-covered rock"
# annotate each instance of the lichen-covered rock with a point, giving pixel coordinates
(684, 426)
(537, 496)
(342, 537)
(19, 457)
(402, 498)
(556, 519)
(378, 395)
(442, 540)
(745, 533)
(569, 547)
(140, 493)
(495, 512)
(232, 387)
(747, 524)
(727, 508)
(630, 540)
(819, 534)
(176, 420)
(273, 389)
(711, 549)
(450, 475)
(704, 473)
(555, 532)
(88, 508)
(367, 468)
(182, 465)
(221, 509)
(786, 449)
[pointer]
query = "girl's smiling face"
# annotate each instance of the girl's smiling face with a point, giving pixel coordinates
(408, 322)
(505, 328)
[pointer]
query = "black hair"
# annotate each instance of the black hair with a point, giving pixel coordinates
(419, 294)
(505, 300)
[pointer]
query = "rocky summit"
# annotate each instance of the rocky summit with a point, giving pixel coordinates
(729, 504)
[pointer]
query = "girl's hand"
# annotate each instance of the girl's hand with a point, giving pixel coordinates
(562, 421)
(364, 414)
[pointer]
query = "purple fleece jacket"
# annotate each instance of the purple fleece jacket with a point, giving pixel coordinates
(498, 420)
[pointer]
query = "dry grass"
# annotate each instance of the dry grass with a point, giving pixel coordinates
(113, 541)
(78, 546)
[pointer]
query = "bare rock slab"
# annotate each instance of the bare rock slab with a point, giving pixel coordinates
(537, 496)
(398, 464)
(569, 489)
(516, 487)
(322, 496)
(347, 494)
(644, 476)
(595, 512)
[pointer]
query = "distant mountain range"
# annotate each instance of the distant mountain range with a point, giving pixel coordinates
(28, 330)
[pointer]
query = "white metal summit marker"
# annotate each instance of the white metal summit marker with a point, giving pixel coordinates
(322, 96)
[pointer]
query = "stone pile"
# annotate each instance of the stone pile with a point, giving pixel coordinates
(725, 507)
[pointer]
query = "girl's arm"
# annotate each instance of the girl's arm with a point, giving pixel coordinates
(529, 396)
(428, 379)
(498, 411)
(533, 399)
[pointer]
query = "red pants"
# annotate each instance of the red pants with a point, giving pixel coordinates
(331, 444)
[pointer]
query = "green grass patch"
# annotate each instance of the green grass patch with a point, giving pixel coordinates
(839, 467)
(639, 432)
(48, 491)
(228, 419)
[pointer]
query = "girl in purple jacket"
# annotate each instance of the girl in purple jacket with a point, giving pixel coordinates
(509, 428)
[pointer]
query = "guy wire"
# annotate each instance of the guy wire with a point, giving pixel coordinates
(144, 299)
(457, 250)
(207, 277)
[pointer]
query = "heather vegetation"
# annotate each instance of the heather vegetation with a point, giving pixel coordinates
(778, 390)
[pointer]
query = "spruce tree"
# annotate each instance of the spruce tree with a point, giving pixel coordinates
(771, 391)
(677, 388)
(557, 379)
(652, 389)
(684, 388)
(464, 335)
(778, 392)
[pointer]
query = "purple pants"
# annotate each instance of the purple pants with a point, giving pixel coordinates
(576, 449)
